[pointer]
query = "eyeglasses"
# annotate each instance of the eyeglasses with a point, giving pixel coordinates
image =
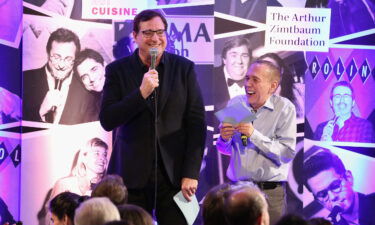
(150, 33)
(345, 97)
(57, 58)
(334, 187)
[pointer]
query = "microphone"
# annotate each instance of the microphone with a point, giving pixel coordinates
(244, 139)
(333, 215)
(153, 54)
(58, 84)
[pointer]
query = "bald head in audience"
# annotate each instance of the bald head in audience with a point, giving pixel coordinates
(246, 205)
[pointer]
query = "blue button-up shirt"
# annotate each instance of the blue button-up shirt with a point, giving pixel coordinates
(271, 146)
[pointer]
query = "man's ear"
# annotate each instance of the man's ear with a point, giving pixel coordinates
(134, 36)
(274, 85)
(224, 61)
(349, 177)
(66, 220)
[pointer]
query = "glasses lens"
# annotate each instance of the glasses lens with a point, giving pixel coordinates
(334, 187)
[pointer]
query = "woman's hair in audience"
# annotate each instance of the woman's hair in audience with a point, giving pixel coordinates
(65, 203)
(112, 187)
(134, 215)
(96, 211)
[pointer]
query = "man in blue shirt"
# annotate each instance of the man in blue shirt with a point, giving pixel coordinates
(271, 138)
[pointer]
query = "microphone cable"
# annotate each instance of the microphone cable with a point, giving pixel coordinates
(156, 149)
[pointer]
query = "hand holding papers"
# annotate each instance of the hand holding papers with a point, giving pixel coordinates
(189, 209)
(235, 114)
(233, 118)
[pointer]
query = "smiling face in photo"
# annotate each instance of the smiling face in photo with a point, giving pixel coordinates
(92, 73)
(342, 101)
(237, 61)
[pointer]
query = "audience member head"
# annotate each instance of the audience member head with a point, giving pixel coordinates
(292, 219)
(112, 187)
(96, 211)
(63, 206)
(213, 205)
(119, 222)
(328, 180)
(134, 215)
(319, 221)
(246, 205)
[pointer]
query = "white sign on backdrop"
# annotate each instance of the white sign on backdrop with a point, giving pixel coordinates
(112, 9)
(191, 37)
(297, 29)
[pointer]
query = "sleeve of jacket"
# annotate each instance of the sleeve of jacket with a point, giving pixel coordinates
(196, 127)
(118, 108)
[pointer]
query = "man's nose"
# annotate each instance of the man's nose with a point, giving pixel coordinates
(332, 196)
(154, 36)
(61, 65)
(239, 59)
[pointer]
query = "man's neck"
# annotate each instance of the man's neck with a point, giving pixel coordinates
(352, 214)
(342, 118)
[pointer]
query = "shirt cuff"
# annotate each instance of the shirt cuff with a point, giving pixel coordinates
(224, 141)
(255, 137)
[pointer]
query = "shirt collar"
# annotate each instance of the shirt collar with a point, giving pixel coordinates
(269, 104)
(140, 63)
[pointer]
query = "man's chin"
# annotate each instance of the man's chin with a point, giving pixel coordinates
(60, 76)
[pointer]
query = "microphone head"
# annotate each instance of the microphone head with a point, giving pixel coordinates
(153, 52)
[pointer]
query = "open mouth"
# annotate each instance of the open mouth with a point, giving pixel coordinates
(250, 92)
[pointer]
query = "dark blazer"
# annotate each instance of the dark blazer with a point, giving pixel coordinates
(181, 128)
(366, 209)
(78, 106)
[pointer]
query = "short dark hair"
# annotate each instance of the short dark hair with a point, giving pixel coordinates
(244, 205)
(343, 83)
(147, 15)
(236, 42)
(317, 160)
(65, 203)
(213, 205)
(319, 221)
(275, 70)
(292, 219)
(87, 53)
(63, 35)
(111, 186)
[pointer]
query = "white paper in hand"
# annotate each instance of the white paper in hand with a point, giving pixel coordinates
(235, 114)
(189, 209)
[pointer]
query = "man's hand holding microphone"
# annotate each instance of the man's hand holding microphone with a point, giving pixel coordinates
(227, 130)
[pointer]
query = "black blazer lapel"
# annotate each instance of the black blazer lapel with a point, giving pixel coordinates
(168, 81)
